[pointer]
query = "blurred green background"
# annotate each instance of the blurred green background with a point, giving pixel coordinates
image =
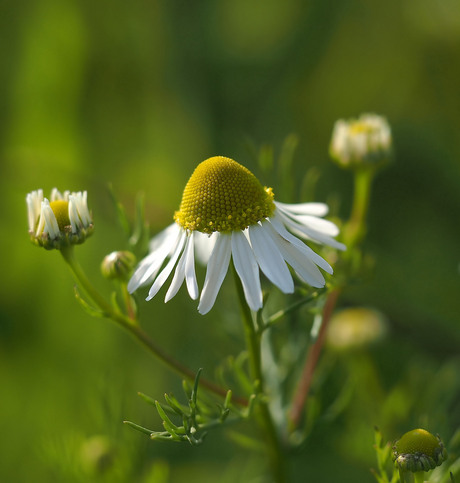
(137, 93)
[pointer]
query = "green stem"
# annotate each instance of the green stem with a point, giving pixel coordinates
(253, 340)
(409, 477)
(128, 300)
(419, 477)
(133, 327)
(355, 229)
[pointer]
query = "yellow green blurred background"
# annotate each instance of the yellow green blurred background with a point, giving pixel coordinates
(137, 94)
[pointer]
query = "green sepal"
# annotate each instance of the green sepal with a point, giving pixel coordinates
(115, 304)
(94, 312)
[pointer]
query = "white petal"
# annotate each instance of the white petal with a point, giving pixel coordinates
(161, 247)
(325, 227)
(184, 271)
(73, 214)
(55, 195)
(179, 276)
(164, 274)
(190, 275)
(83, 208)
(269, 258)
(307, 251)
(216, 271)
(34, 201)
(204, 245)
(41, 224)
(51, 224)
(310, 233)
(168, 233)
(315, 209)
(247, 269)
(303, 266)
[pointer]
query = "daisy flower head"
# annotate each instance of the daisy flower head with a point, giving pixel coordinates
(63, 221)
(225, 213)
(363, 141)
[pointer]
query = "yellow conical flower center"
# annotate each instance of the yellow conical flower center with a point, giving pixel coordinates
(61, 212)
(221, 195)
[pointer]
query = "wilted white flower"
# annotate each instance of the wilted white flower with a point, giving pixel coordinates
(226, 213)
(65, 220)
(366, 140)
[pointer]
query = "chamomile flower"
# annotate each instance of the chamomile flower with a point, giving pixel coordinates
(363, 141)
(65, 220)
(225, 213)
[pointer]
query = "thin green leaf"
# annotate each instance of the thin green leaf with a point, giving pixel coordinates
(94, 312)
(164, 417)
(175, 405)
(138, 428)
(147, 399)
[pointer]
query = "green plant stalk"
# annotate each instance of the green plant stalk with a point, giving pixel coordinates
(253, 340)
(353, 233)
(409, 477)
(355, 229)
(132, 326)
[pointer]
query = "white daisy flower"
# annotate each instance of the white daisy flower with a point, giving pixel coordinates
(226, 214)
(65, 220)
(366, 140)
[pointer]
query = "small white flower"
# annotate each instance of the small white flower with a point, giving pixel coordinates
(226, 213)
(366, 140)
(64, 220)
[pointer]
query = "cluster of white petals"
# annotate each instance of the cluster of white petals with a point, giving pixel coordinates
(364, 140)
(44, 227)
(266, 246)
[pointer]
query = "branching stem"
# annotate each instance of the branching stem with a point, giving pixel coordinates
(131, 325)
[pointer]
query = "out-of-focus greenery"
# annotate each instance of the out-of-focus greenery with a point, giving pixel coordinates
(137, 93)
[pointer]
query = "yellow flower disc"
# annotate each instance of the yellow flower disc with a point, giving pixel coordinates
(222, 195)
(61, 212)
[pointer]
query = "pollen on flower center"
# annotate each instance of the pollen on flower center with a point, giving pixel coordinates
(61, 212)
(222, 195)
(360, 128)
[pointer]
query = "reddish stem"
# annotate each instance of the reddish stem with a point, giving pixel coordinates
(304, 385)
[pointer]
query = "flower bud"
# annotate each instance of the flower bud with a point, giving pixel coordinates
(63, 221)
(118, 265)
(355, 328)
(419, 450)
(363, 141)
